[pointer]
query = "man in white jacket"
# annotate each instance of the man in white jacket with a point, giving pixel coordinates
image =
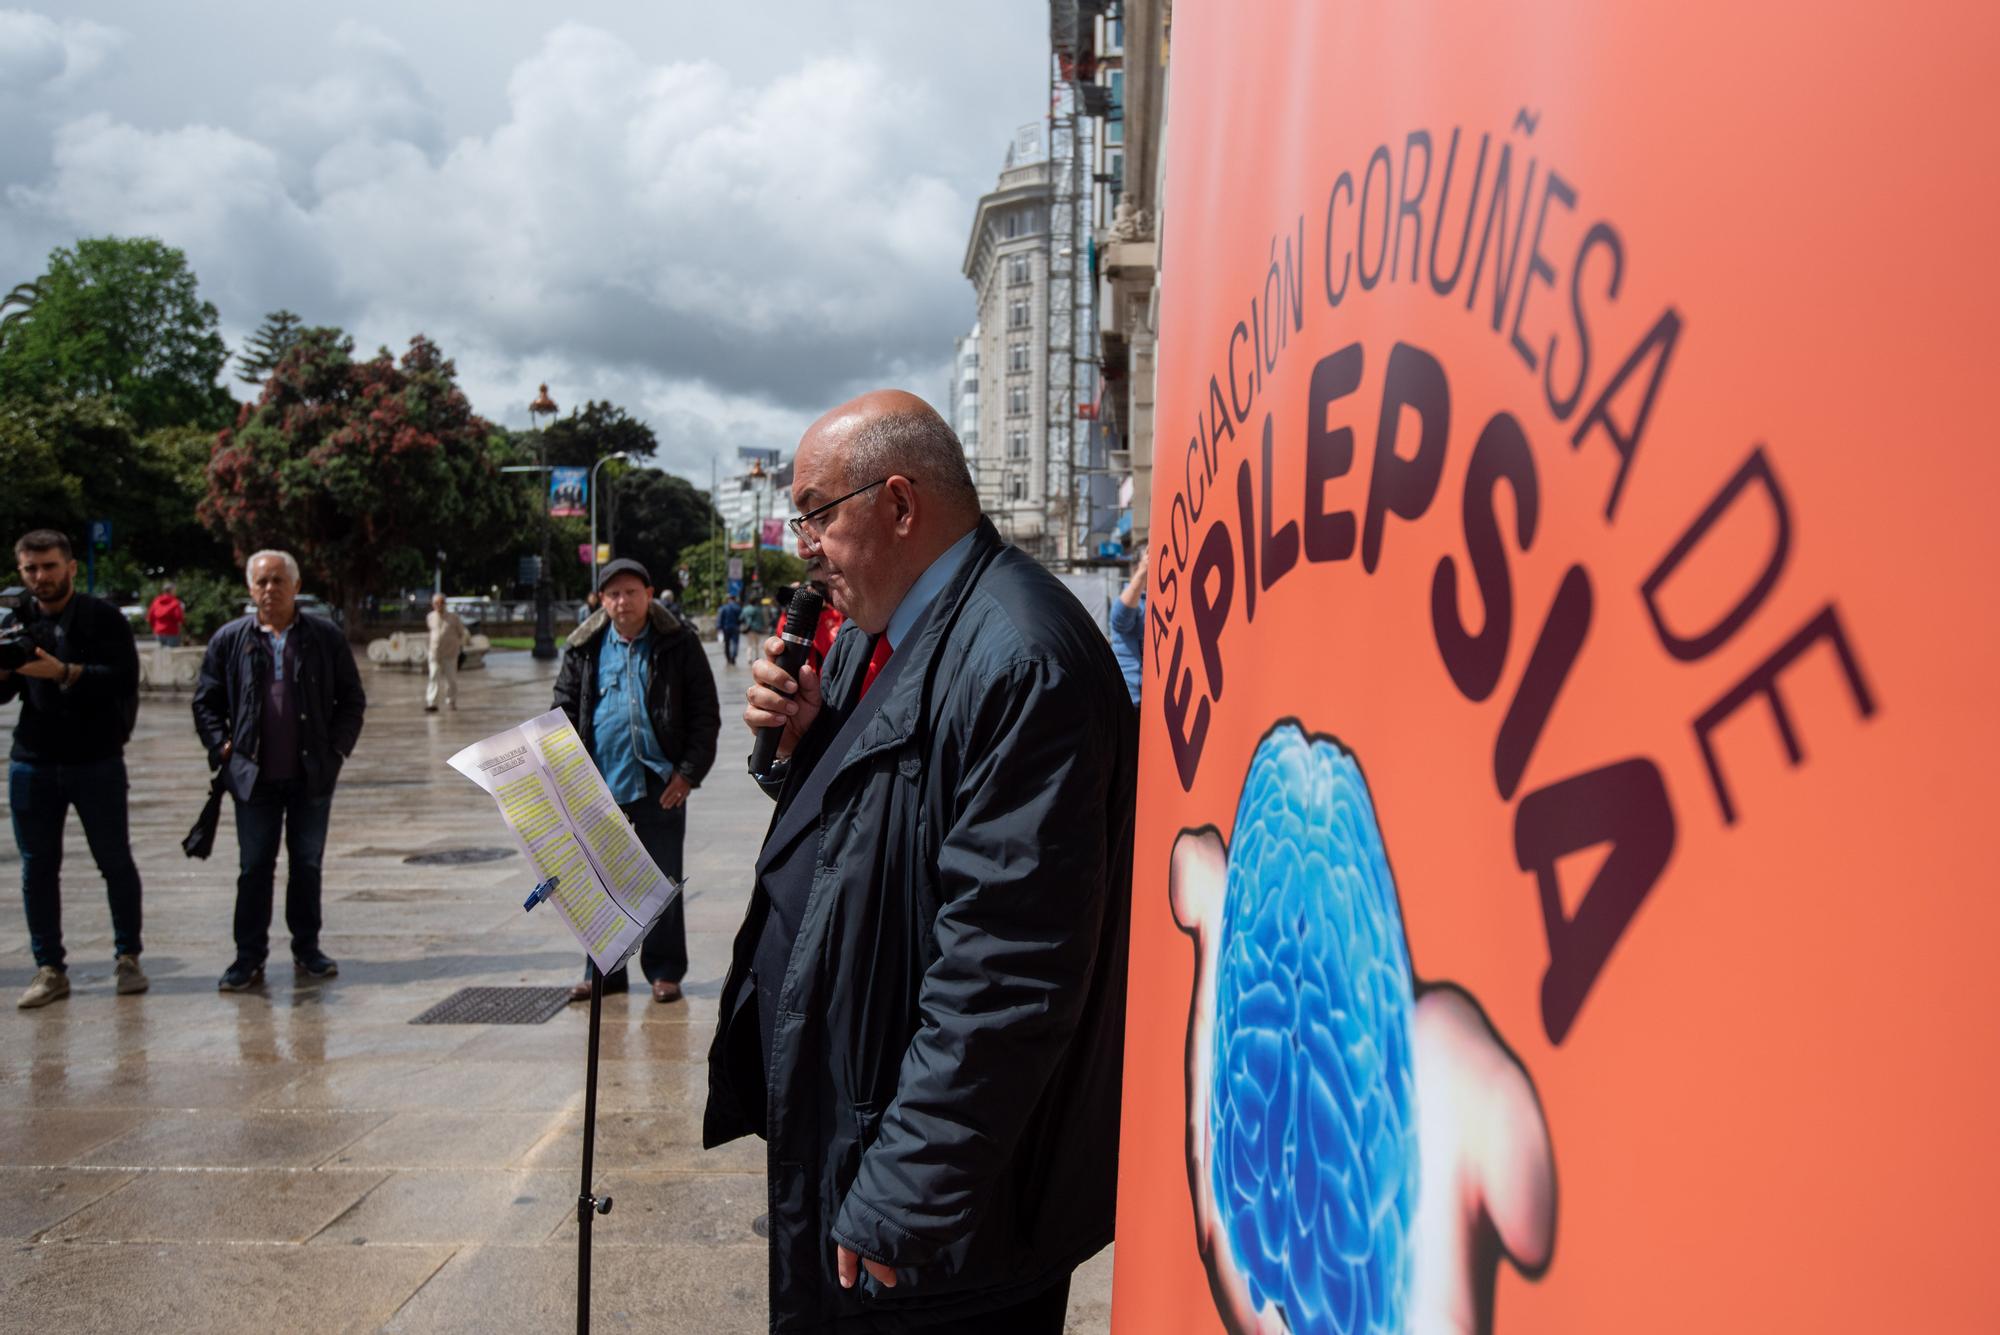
(448, 637)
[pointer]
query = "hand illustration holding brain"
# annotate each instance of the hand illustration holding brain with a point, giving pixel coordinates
(1351, 1143)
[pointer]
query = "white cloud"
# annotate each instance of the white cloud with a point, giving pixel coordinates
(41, 55)
(723, 254)
(374, 99)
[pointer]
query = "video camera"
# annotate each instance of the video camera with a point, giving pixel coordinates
(19, 641)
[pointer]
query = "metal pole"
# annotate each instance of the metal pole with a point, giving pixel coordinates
(588, 1204)
(545, 612)
(621, 454)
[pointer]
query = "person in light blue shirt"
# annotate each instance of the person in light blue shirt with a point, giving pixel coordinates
(1128, 628)
(636, 683)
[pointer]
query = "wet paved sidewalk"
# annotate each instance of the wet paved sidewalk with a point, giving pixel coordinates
(301, 1157)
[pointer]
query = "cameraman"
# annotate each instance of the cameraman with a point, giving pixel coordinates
(79, 691)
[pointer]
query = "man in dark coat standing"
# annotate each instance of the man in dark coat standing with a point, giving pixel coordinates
(77, 675)
(278, 705)
(924, 1015)
(636, 684)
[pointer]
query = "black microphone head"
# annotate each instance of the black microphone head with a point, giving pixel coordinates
(802, 617)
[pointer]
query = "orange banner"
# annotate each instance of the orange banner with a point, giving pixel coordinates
(1563, 899)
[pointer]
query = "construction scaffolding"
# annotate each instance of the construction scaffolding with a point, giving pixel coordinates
(1072, 63)
(1084, 439)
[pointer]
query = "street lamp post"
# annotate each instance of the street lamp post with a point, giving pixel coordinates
(545, 612)
(756, 523)
(622, 454)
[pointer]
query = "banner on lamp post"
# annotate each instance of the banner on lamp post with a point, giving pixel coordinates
(569, 488)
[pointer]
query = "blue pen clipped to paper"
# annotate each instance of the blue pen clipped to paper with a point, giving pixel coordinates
(540, 893)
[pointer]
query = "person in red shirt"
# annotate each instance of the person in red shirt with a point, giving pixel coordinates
(166, 616)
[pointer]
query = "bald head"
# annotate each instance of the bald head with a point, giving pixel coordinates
(885, 483)
(892, 432)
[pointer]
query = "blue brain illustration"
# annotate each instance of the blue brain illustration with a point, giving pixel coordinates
(1312, 1107)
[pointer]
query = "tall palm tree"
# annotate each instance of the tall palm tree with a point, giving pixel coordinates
(22, 299)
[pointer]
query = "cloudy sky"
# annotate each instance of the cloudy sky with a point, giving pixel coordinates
(723, 217)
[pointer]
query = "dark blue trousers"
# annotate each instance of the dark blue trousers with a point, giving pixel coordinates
(39, 796)
(276, 812)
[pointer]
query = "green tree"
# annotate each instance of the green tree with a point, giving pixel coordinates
(120, 319)
(362, 468)
(596, 431)
(708, 571)
(70, 461)
(268, 346)
(655, 516)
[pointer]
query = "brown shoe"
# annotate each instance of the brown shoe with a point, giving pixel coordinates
(579, 992)
(665, 991)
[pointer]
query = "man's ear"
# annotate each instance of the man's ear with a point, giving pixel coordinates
(904, 497)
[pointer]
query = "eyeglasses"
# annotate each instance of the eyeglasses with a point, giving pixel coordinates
(807, 528)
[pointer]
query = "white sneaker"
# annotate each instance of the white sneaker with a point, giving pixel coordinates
(51, 984)
(131, 978)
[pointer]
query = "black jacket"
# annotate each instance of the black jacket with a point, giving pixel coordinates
(93, 719)
(680, 690)
(229, 700)
(943, 1087)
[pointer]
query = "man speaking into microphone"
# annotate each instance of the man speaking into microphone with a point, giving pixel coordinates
(924, 1015)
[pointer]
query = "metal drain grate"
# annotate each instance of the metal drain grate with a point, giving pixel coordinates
(457, 857)
(497, 1005)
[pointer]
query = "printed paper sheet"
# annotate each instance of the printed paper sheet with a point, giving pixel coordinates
(563, 818)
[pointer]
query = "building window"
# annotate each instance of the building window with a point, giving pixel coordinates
(1017, 315)
(1010, 225)
(1017, 487)
(1017, 269)
(1017, 444)
(1017, 400)
(1017, 355)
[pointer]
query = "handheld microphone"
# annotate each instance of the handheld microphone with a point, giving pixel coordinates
(801, 621)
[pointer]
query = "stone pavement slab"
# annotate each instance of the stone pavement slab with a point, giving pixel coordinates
(233, 1289)
(456, 1206)
(433, 1139)
(32, 1199)
(301, 1156)
(218, 1205)
(216, 1138)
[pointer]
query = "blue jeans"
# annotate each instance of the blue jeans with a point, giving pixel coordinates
(283, 809)
(40, 795)
(730, 639)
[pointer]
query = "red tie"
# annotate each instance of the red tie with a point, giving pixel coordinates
(875, 662)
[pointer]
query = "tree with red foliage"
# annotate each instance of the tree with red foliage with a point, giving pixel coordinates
(362, 468)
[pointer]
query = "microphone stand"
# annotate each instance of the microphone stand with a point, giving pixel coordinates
(586, 1203)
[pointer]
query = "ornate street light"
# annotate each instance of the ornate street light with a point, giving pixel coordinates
(545, 613)
(756, 476)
